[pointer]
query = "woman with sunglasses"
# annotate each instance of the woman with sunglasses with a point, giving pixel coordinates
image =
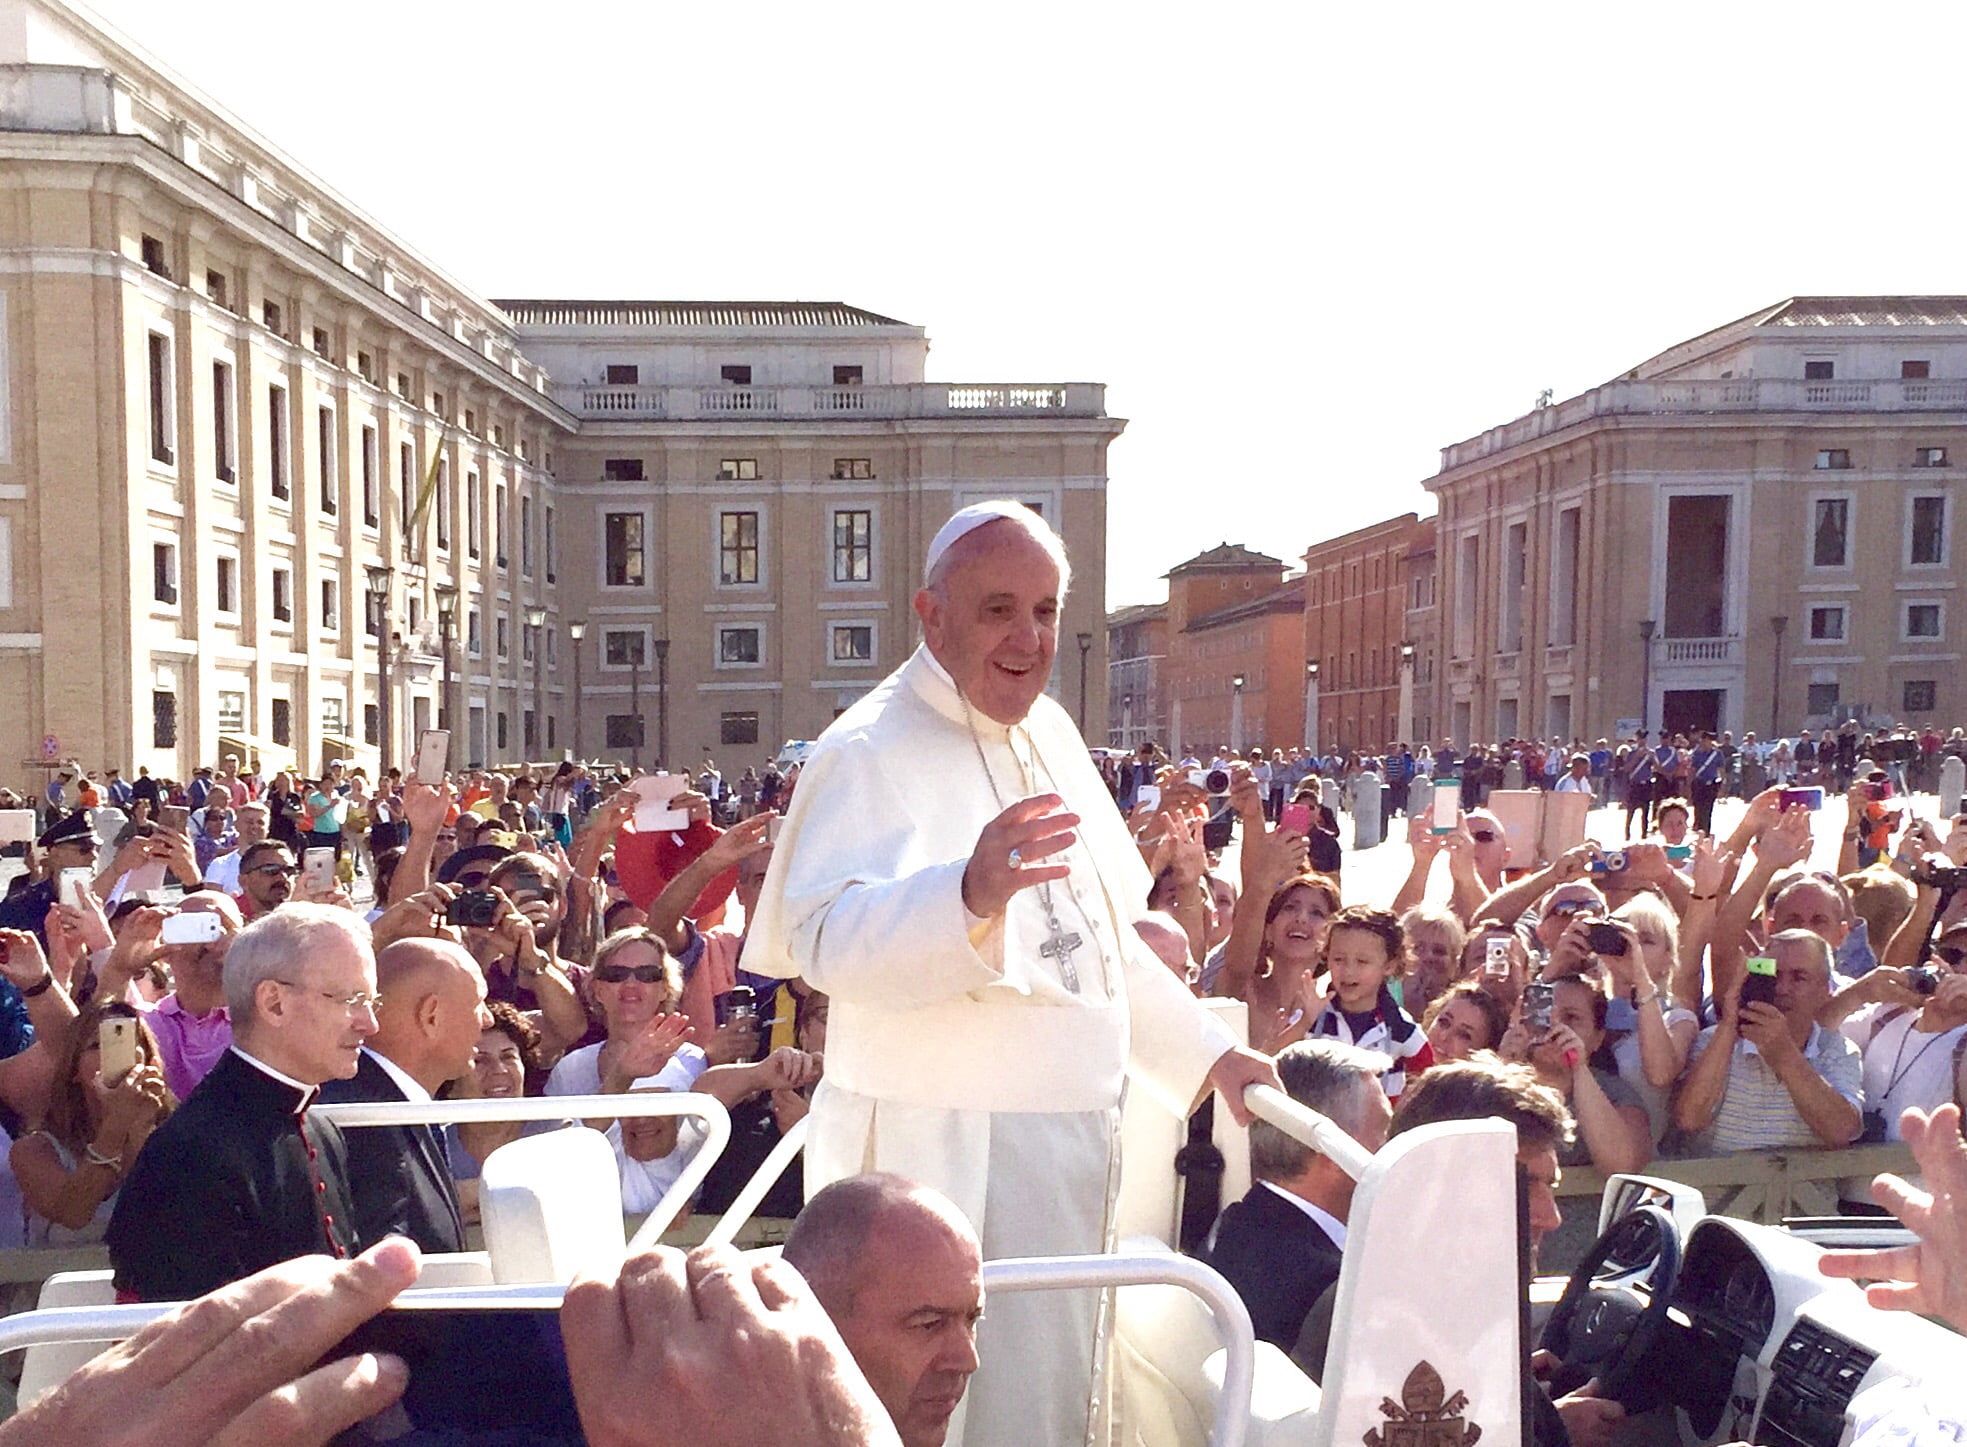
(636, 988)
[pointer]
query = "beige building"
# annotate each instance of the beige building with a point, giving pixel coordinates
(229, 400)
(1752, 530)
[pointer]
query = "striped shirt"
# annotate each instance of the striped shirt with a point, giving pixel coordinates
(1756, 1111)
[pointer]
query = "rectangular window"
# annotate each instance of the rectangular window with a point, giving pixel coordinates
(225, 429)
(526, 645)
(624, 731)
(365, 367)
(1928, 543)
(737, 547)
(1823, 699)
(437, 403)
(624, 648)
(502, 632)
(443, 502)
(498, 525)
(334, 715)
(853, 545)
(270, 315)
(283, 721)
(1923, 620)
(847, 376)
(371, 478)
(330, 606)
(738, 375)
(526, 536)
(403, 386)
(1827, 623)
(225, 596)
(163, 719)
(1930, 457)
(1830, 533)
(406, 491)
(474, 514)
(623, 374)
(475, 632)
(1915, 371)
(215, 287)
(737, 645)
(853, 643)
(372, 614)
(1833, 459)
(504, 731)
(738, 469)
(153, 257)
(164, 572)
(854, 469)
(1819, 371)
(1921, 695)
(163, 401)
(622, 544)
(322, 346)
(283, 595)
(737, 728)
(371, 724)
(622, 469)
(552, 566)
(529, 730)
(276, 442)
(471, 421)
(232, 709)
(324, 423)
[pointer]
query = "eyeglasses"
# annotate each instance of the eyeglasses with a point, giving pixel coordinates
(643, 974)
(1569, 907)
(474, 879)
(1486, 836)
(359, 1001)
(290, 870)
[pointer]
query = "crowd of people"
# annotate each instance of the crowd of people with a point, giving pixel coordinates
(177, 996)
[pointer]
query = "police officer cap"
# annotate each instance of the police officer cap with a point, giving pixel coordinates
(68, 830)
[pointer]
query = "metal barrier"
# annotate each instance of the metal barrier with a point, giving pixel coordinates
(1762, 1186)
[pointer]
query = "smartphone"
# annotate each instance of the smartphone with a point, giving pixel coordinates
(1297, 818)
(653, 793)
(71, 883)
(318, 870)
(1810, 798)
(1495, 958)
(17, 826)
(1447, 807)
(772, 828)
(199, 927)
(1216, 833)
(1761, 982)
(1537, 998)
(174, 817)
(116, 1037)
(433, 756)
(1148, 795)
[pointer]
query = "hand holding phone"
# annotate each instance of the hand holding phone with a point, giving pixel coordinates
(433, 756)
(1296, 818)
(116, 1038)
(318, 871)
(192, 927)
(653, 793)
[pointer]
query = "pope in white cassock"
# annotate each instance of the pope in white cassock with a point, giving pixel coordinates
(955, 876)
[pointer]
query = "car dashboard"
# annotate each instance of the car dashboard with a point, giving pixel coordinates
(1762, 1347)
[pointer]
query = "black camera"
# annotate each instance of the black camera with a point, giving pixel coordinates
(473, 908)
(1946, 878)
(1924, 979)
(1605, 939)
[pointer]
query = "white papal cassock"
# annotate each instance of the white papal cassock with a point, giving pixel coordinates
(958, 1054)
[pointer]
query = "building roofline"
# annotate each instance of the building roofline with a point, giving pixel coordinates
(526, 312)
(1288, 599)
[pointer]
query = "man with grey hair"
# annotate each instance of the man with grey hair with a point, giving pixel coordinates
(953, 875)
(241, 1176)
(1279, 1246)
(1767, 1074)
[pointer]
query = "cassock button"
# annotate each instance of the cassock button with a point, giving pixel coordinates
(322, 1187)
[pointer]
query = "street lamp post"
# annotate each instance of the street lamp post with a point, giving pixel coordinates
(1646, 626)
(1236, 713)
(635, 705)
(1405, 723)
(576, 631)
(1776, 626)
(380, 575)
(1085, 646)
(1311, 706)
(536, 621)
(447, 597)
(662, 702)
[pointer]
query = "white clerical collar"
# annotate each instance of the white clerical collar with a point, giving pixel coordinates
(1331, 1225)
(307, 1092)
(411, 1090)
(942, 692)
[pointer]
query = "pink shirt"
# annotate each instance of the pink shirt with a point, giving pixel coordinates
(189, 1044)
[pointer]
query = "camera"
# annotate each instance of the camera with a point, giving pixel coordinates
(1610, 863)
(1605, 939)
(473, 908)
(1210, 781)
(1945, 878)
(1924, 979)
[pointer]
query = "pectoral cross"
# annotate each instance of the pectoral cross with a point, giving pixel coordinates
(1058, 948)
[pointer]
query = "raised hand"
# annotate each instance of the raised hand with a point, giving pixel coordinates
(653, 1046)
(1010, 853)
(1931, 1277)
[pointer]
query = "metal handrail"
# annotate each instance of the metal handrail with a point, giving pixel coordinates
(755, 1190)
(707, 1108)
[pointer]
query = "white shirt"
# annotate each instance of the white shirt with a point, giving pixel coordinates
(1331, 1225)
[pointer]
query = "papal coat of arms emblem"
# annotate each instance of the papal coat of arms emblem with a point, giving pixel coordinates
(1425, 1416)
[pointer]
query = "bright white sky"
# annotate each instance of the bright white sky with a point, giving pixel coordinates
(1305, 245)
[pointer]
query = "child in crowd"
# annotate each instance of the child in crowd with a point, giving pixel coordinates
(1363, 947)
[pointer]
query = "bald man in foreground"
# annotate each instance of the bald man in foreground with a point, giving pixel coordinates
(427, 1026)
(899, 1271)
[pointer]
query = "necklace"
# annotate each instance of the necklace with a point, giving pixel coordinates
(1059, 942)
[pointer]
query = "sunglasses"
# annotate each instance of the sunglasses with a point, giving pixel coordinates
(642, 974)
(1952, 954)
(1570, 907)
(290, 870)
(474, 879)
(1483, 836)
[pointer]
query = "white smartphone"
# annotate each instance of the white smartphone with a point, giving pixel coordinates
(318, 870)
(433, 756)
(17, 826)
(70, 884)
(653, 793)
(116, 1037)
(1447, 806)
(1148, 795)
(197, 927)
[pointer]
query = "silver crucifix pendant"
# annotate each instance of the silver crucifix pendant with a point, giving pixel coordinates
(1058, 948)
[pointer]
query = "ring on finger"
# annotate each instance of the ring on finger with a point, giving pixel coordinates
(1017, 860)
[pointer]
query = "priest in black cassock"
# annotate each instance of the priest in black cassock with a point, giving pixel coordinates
(241, 1176)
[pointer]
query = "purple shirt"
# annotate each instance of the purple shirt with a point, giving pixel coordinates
(189, 1044)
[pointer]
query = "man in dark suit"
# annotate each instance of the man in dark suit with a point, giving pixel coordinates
(427, 1026)
(1279, 1246)
(241, 1177)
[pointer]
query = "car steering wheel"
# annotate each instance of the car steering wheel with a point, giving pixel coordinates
(1602, 1326)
